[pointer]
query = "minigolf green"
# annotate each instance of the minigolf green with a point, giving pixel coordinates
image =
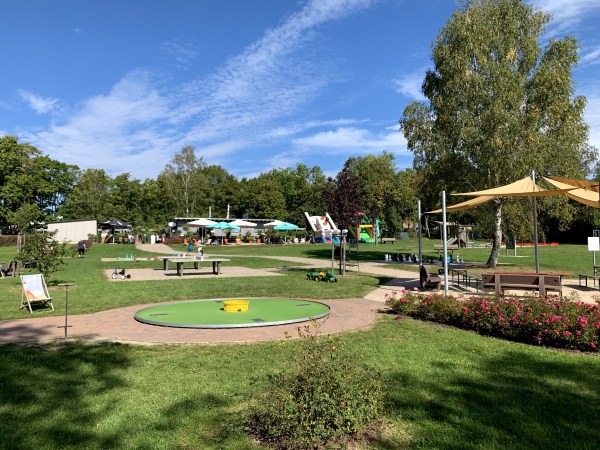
(214, 314)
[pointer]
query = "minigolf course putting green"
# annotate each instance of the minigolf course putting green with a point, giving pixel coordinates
(232, 313)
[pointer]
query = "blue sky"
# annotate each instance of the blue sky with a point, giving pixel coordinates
(123, 85)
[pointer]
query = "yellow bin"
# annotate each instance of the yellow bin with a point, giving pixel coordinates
(236, 305)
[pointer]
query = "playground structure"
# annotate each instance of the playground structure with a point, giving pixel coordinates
(324, 228)
(368, 230)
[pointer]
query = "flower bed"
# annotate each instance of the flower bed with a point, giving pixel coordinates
(548, 321)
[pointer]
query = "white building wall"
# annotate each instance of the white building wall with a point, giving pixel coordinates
(73, 231)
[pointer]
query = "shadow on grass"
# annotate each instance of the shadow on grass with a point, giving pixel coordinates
(518, 400)
(47, 394)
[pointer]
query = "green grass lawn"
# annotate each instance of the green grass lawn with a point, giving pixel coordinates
(445, 388)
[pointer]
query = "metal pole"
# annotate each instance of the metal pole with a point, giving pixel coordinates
(444, 238)
(535, 228)
(66, 286)
(420, 231)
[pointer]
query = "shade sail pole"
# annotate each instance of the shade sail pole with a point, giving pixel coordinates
(444, 238)
(535, 228)
(420, 232)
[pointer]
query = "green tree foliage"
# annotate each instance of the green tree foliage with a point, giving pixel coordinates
(261, 197)
(91, 197)
(499, 107)
(41, 250)
(28, 177)
(182, 178)
(301, 188)
(372, 185)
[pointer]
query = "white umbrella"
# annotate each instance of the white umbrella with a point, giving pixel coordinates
(201, 223)
(273, 224)
(243, 223)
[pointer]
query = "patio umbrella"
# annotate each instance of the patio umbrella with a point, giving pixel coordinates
(201, 223)
(224, 226)
(273, 224)
(243, 223)
(285, 226)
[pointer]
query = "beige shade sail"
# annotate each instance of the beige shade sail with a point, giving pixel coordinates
(521, 188)
(464, 205)
(588, 196)
(586, 184)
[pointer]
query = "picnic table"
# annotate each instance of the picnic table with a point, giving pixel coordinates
(532, 281)
(181, 261)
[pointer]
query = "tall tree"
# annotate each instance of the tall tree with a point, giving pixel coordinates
(91, 197)
(182, 178)
(499, 107)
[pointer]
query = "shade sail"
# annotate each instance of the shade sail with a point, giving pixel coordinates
(586, 184)
(464, 205)
(242, 223)
(586, 196)
(521, 188)
(201, 222)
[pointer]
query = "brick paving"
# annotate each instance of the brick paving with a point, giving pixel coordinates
(119, 325)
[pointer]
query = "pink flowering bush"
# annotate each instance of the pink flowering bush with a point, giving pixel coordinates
(548, 321)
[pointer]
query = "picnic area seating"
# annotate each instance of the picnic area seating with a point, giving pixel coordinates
(35, 291)
(10, 270)
(428, 280)
(585, 276)
(500, 282)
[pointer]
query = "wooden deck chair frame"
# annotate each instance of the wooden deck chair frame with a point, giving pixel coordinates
(35, 290)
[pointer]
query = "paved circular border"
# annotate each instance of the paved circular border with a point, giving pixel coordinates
(230, 325)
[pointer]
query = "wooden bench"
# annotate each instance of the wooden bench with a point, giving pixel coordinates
(427, 280)
(386, 240)
(585, 276)
(541, 282)
(439, 248)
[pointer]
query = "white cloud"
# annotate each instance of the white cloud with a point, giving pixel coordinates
(39, 104)
(182, 53)
(566, 14)
(410, 85)
(592, 118)
(351, 140)
(139, 124)
(122, 131)
(591, 56)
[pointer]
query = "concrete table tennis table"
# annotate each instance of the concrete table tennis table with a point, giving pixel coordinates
(181, 261)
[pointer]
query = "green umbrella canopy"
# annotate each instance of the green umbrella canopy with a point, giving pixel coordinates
(223, 226)
(285, 226)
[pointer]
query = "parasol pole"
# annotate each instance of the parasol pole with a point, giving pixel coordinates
(535, 228)
(420, 231)
(444, 233)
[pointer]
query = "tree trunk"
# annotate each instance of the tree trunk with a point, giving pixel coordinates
(493, 259)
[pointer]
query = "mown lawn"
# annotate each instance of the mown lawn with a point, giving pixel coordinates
(445, 388)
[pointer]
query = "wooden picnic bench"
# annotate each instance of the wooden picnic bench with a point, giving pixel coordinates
(540, 282)
(386, 240)
(440, 247)
(585, 276)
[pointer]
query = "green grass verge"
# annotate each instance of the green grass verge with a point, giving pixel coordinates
(445, 388)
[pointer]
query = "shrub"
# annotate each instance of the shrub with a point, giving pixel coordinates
(8, 240)
(550, 321)
(42, 251)
(325, 397)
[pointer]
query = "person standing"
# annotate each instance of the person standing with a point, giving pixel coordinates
(81, 249)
